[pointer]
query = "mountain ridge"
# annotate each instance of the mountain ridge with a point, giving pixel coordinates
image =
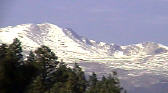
(42, 34)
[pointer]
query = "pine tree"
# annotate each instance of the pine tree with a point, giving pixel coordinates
(9, 63)
(15, 50)
(60, 77)
(3, 51)
(80, 83)
(4, 80)
(14, 76)
(47, 64)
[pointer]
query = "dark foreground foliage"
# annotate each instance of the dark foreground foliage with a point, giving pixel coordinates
(42, 73)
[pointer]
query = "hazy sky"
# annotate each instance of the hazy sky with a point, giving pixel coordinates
(112, 21)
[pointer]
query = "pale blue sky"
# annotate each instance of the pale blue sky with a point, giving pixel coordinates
(113, 21)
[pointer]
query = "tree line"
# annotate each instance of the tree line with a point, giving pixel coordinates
(40, 72)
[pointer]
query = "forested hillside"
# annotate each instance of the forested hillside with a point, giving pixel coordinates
(40, 72)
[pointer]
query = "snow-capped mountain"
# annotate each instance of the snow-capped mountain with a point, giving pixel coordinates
(68, 45)
(137, 60)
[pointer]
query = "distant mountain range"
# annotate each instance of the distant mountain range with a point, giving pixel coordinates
(132, 61)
